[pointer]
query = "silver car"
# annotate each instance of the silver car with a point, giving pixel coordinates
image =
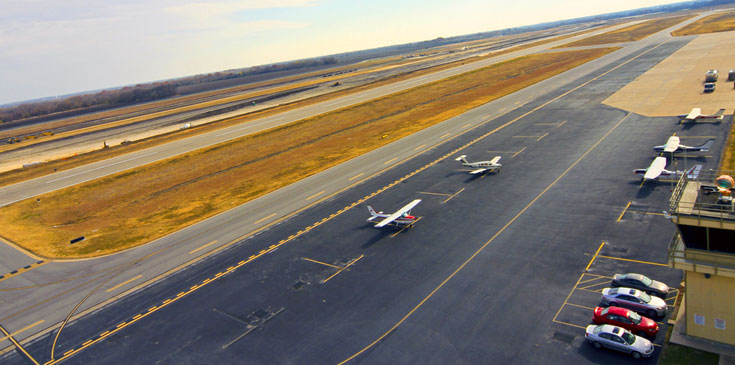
(641, 282)
(617, 338)
(634, 299)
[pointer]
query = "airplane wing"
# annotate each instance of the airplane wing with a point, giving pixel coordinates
(478, 171)
(656, 169)
(398, 214)
(671, 144)
(694, 114)
(495, 160)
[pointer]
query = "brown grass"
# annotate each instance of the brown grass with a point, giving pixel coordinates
(711, 24)
(139, 205)
(727, 163)
(16, 176)
(628, 34)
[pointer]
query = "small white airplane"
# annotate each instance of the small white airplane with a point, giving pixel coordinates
(672, 145)
(400, 218)
(658, 168)
(696, 114)
(481, 166)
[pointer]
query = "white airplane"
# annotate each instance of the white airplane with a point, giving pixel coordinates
(696, 114)
(658, 168)
(401, 217)
(672, 145)
(481, 166)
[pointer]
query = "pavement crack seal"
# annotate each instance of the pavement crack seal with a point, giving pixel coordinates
(282, 242)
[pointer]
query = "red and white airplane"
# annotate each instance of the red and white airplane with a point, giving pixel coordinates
(673, 145)
(400, 218)
(696, 114)
(481, 166)
(658, 168)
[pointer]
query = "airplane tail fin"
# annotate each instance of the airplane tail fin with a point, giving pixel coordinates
(706, 146)
(462, 158)
(693, 173)
(720, 114)
(372, 211)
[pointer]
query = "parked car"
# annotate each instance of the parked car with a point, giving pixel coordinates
(709, 87)
(626, 318)
(634, 299)
(731, 75)
(641, 282)
(617, 338)
(711, 76)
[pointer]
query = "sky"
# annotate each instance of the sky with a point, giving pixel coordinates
(51, 47)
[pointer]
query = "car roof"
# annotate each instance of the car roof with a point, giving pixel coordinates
(618, 310)
(626, 291)
(608, 328)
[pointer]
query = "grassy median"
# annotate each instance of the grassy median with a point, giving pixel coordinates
(136, 206)
(629, 34)
(723, 22)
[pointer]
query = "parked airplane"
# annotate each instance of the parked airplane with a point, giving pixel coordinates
(401, 217)
(696, 114)
(481, 166)
(658, 168)
(672, 145)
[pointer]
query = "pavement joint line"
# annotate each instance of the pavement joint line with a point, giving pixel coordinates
(123, 283)
(623, 213)
(261, 220)
(631, 260)
(26, 268)
(539, 138)
(283, 242)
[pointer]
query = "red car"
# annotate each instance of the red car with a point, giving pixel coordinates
(626, 318)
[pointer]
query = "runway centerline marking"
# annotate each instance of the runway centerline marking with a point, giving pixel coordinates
(517, 153)
(419, 147)
(445, 136)
(101, 167)
(426, 192)
(452, 196)
(539, 138)
(343, 269)
(466, 125)
(553, 183)
(127, 281)
(631, 260)
(623, 213)
(389, 161)
(356, 176)
(321, 263)
(561, 124)
(529, 136)
(207, 245)
(261, 220)
(315, 195)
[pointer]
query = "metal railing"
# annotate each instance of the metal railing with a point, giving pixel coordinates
(679, 253)
(697, 208)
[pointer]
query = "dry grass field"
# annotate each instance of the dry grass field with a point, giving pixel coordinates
(629, 34)
(728, 155)
(711, 24)
(139, 205)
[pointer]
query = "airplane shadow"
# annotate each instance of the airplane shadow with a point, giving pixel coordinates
(379, 236)
(645, 190)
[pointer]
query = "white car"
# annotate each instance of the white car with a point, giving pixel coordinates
(634, 299)
(617, 338)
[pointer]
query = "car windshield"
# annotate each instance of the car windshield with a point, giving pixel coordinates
(628, 337)
(645, 297)
(634, 317)
(646, 281)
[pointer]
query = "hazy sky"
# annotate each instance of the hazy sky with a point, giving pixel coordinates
(51, 47)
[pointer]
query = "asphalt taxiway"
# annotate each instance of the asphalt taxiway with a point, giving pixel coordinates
(498, 268)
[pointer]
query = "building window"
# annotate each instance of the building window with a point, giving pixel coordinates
(719, 323)
(699, 319)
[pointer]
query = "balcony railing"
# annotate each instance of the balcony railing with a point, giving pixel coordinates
(704, 261)
(688, 199)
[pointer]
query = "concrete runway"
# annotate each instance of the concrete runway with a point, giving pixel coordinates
(487, 251)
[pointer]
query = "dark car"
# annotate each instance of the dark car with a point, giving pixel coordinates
(641, 282)
(626, 318)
